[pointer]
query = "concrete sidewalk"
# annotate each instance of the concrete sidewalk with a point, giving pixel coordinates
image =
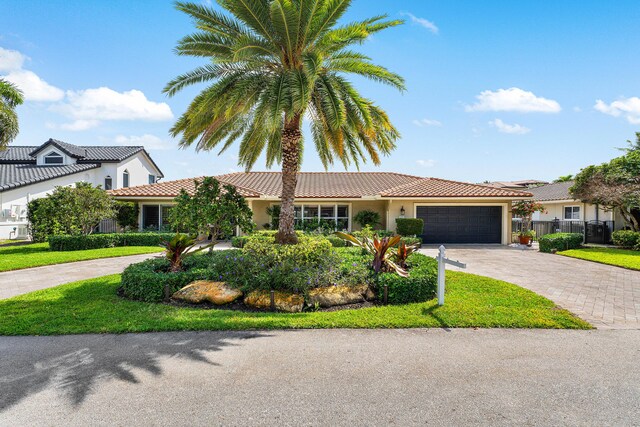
(433, 377)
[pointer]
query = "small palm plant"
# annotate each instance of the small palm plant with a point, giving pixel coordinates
(383, 251)
(403, 251)
(180, 247)
(10, 98)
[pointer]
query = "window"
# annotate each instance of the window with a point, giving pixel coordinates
(125, 178)
(156, 217)
(307, 216)
(108, 183)
(53, 158)
(152, 179)
(571, 212)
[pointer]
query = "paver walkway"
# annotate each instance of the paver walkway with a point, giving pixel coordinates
(605, 296)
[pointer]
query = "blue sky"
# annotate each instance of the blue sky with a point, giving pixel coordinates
(497, 90)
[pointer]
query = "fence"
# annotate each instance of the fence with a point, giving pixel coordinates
(107, 226)
(594, 231)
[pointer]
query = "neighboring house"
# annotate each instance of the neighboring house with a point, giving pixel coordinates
(523, 185)
(453, 212)
(30, 172)
(560, 205)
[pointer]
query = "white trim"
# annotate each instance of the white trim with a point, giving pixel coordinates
(335, 209)
(505, 214)
(580, 212)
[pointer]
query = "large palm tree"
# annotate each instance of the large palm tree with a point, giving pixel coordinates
(272, 64)
(10, 98)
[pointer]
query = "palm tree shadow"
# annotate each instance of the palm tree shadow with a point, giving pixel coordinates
(75, 365)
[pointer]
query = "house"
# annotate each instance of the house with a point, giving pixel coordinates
(560, 205)
(453, 212)
(30, 172)
(523, 184)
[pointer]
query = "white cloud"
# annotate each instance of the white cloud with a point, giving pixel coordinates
(426, 163)
(513, 99)
(89, 107)
(506, 128)
(33, 87)
(150, 142)
(627, 107)
(11, 60)
(423, 22)
(426, 123)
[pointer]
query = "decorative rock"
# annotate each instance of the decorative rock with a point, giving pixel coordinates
(284, 301)
(217, 293)
(340, 295)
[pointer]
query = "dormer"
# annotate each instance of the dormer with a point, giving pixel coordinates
(57, 153)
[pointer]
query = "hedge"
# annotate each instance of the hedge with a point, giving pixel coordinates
(626, 239)
(100, 241)
(409, 226)
(146, 280)
(418, 287)
(560, 241)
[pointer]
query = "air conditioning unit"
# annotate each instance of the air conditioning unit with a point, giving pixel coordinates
(22, 232)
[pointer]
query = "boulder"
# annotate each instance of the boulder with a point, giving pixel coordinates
(218, 293)
(340, 295)
(285, 301)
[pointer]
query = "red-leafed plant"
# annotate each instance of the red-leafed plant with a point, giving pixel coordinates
(383, 251)
(402, 252)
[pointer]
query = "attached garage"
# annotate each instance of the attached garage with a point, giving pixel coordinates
(461, 224)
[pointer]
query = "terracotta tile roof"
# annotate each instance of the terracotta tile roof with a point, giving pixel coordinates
(436, 187)
(342, 185)
(169, 189)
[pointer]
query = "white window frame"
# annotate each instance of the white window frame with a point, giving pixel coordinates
(51, 155)
(319, 205)
(125, 173)
(108, 177)
(564, 213)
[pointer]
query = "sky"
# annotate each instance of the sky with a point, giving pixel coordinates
(496, 90)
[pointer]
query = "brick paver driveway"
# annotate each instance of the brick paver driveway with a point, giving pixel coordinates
(606, 296)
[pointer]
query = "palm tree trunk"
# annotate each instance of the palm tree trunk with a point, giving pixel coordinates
(291, 136)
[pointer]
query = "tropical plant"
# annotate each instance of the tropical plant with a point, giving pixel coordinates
(367, 217)
(274, 213)
(525, 210)
(10, 98)
(563, 178)
(272, 64)
(632, 145)
(179, 247)
(402, 252)
(127, 214)
(382, 250)
(213, 210)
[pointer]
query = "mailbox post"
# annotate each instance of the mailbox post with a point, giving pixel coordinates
(442, 260)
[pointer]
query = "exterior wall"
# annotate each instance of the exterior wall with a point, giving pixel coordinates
(139, 168)
(259, 208)
(588, 212)
(379, 206)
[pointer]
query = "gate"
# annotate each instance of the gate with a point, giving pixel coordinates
(597, 232)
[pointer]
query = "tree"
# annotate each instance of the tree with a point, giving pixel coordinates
(525, 209)
(367, 217)
(274, 63)
(127, 214)
(69, 210)
(563, 178)
(632, 145)
(613, 185)
(10, 98)
(212, 210)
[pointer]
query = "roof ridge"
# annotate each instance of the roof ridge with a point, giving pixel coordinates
(480, 185)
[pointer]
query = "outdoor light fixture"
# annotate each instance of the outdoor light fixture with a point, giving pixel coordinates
(402, 212)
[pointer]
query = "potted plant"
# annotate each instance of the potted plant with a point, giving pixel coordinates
(524, 209)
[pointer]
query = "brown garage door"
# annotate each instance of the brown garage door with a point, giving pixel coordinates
(461, 224)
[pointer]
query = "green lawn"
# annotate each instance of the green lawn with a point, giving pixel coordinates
(618, 257)
(38, 254)
(91, 306)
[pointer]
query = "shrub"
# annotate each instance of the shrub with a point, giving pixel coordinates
(239, 241)
(100, 241)
(626, 238)
(127, 214)
(337, 242)
(367, 217)
(411, 241)
(560, 241)
(146, 280)
(418, 287)
(409, 226)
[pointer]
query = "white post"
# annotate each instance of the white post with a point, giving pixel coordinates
(441, 272)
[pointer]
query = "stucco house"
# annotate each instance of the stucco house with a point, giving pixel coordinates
(560, 205)
(453, 212)
(30, 172)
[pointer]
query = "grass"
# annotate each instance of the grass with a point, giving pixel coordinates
(619, 257)
(38, 254)
(91, 306)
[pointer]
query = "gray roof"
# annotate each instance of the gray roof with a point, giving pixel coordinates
(17, 175)
(18, 163)
(549, 192)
